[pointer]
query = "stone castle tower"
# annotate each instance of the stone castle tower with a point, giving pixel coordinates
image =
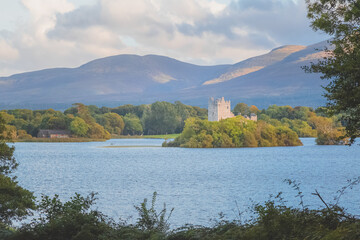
(219, 109)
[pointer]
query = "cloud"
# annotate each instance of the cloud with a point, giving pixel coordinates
(200, 31)
(7, 52)
(258, 23)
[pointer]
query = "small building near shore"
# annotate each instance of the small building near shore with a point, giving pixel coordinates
(252, 117)
(45, 133)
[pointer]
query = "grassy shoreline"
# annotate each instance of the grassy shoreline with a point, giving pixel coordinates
(55, 140)
(163, 136)
(167, 136)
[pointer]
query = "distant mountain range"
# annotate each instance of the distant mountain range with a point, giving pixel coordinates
(272, 78)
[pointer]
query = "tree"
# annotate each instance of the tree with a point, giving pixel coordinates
(97, 131)
(327, 131)
(132, 124)
(15, 202)
(7, 161)
(7, 117)
(340, 19)
(79, 127)
(112, 122)
(254, 109)
(57, 123)
(84, 113)
(241, 108)
(163, 119)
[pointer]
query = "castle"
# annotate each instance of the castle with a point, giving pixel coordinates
(219, 109)
(252, 117)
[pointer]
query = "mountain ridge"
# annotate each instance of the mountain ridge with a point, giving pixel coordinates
(272, 78)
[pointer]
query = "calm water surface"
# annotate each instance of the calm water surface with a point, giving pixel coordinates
(198, 183)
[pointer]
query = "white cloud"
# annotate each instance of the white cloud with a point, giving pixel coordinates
(60, 33)
(7, 52)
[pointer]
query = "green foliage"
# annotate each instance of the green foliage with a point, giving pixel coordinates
(15, 202)
(233, 132)
(112, 122)
(6, 117)
(241, 108)
(21, 134)
(7, 161)
(302, 128)
(72, 220)
(158, 118)
(165, 118)
(132, 125)
(280, 112)
(328, 131)
(84, 113)
(306, 123)
(75, 220)
(340, 67)
(97, 131)
(128, 108)
(150, 220)
(79, 127)
(162, 119)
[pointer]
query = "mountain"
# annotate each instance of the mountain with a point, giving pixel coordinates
(272, 78)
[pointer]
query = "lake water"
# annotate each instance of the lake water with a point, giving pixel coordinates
(198, 183)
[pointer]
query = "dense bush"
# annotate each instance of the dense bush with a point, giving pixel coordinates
(74, 220)
(233, 132)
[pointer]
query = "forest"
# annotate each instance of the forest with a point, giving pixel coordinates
(102, 123)
(96, 123)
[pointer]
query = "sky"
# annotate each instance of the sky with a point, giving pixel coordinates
(39, 34)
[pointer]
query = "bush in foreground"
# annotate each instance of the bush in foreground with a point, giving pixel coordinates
(75, 220)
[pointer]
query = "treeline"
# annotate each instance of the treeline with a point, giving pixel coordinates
(167, 118)
(100, 123)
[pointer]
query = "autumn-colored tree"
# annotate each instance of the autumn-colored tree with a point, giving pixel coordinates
(112, 122)
(254, 109)
(328, 132)
(98, 132)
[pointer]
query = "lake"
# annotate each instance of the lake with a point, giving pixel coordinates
(198, 183)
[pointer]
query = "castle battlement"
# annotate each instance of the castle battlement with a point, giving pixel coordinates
(219, 109)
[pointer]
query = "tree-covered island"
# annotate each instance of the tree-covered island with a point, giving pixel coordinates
(233, 132)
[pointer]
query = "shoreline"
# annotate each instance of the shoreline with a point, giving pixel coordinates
(49, 140)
